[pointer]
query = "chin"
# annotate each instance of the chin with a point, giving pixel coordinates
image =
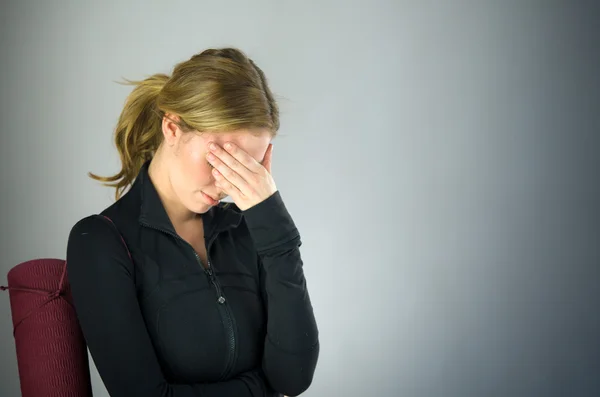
(199, 207)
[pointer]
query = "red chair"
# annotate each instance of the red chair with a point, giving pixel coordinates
(51, 351)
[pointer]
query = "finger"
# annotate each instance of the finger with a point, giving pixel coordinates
(229, 188)
(223, 157)
(222, 170)
(234, 157)
(268, 158)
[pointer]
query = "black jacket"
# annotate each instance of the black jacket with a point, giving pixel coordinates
(159, 324)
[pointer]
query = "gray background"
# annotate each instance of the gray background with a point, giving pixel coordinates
(440, 160)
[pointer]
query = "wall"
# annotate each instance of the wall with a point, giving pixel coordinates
(440, 160)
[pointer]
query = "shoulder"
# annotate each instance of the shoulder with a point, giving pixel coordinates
(110, 225)
(92, 227)
(94, 247)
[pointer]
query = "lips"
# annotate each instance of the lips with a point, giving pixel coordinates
(211, 199)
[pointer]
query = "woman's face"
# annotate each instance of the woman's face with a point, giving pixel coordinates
(191, 174)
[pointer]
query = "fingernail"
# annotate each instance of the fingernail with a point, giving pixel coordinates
(213, 146)
(228, 146)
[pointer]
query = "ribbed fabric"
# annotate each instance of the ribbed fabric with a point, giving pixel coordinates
(51, 351)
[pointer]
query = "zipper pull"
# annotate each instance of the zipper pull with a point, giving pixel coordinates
(221, 298)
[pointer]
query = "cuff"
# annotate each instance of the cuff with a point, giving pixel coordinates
(270, 223)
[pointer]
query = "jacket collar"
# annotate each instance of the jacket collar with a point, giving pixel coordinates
(153, 213)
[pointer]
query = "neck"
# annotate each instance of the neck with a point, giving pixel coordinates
(157, 171)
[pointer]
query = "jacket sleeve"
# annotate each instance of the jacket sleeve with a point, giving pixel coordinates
(292, 342)
(100, 273)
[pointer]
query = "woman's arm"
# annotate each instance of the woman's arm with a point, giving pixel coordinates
(101, 277)
(292, 342)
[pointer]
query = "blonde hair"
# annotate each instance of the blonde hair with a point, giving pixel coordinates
(216, 90)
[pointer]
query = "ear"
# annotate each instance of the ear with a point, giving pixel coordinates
(170, 129)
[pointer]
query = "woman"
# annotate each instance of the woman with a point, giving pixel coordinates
(178, 294)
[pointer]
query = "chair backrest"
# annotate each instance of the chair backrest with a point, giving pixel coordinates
(51, 351)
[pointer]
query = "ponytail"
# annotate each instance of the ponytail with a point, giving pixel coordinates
(138, 131)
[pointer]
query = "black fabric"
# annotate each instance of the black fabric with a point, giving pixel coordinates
(159, 324)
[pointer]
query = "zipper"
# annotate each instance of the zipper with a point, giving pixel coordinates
(224, 311)
(226, 315)
(212, 279)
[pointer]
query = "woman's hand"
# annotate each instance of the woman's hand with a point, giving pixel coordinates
(239, 175)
